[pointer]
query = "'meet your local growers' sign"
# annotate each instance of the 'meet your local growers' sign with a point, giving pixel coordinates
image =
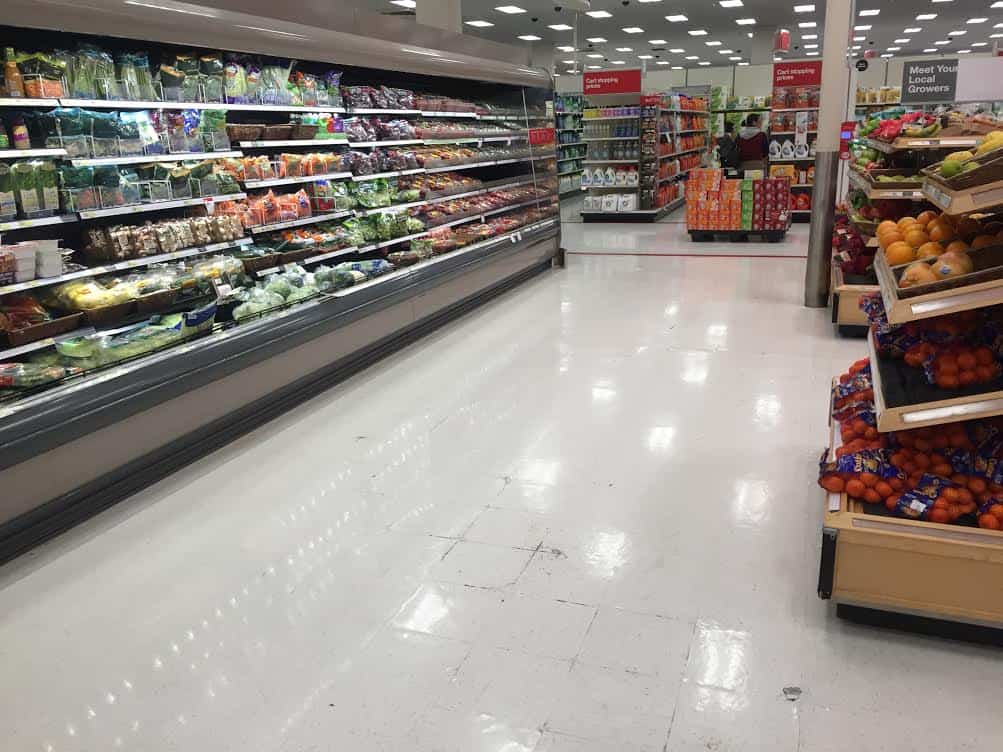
(929, 81)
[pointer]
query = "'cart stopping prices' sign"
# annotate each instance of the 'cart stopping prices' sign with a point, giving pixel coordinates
(929, 81)
(797, 74)
(612, 82)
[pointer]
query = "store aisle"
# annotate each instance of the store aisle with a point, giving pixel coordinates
(583, 518)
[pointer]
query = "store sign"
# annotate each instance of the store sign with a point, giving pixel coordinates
(845, 136)
(929, 81)
(797, 74)
(540, 136)
(612, 82)
(980, 79)
(861, 65)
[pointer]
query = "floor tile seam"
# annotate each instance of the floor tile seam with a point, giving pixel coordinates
(679, 687)
(459, 539)
(653, 254)
(585, 637)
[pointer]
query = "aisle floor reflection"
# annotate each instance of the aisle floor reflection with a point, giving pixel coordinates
(581, 519)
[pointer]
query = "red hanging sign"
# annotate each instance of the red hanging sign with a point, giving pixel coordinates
(612, 82)
(649, 100)
(540, 136)
(797, 74)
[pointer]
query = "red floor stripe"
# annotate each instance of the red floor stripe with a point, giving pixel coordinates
(690, 255)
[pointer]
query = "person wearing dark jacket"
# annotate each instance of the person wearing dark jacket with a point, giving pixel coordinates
(752, 144)
(727, 148)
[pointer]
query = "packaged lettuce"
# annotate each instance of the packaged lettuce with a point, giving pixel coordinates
(47, 179)
(235, 80)
(279, 286)
(26, 189)
(8, 204)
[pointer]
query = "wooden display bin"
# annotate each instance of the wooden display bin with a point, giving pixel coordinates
(846, 303)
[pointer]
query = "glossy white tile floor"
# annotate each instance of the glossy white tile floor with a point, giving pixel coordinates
(582, 519)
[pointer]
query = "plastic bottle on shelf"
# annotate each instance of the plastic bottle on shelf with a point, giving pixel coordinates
(12, 76)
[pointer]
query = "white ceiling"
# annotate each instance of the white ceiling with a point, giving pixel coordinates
(720, 24)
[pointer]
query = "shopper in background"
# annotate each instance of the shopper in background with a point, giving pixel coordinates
(727, 148)
(752, 144)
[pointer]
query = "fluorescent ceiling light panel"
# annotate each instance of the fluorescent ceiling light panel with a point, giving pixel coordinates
(980, 44)
(976, 20)
(931, 49)
(677, 50)
(404, 3)
(888, 54)
(963, 52)
(745, 21)
(713, 43)
(561, 27)
(510, 9)
(661, 62)
(811, 46)
(942, 42)
(529, 37)
(480, 24)
(594, 67)
(894, 49)
(997, 4)
(599, 14)
(859, 39)
(735, 57)
(594, 56)
(725, 52)
(730, 3)
(645, 57)
(697, 32)
(873, 12)
(811, 54)
(855, 47)
(677, 67)
(804, 8)
(862, 27)
(926, 16)
(566, 48)
(206, 13)
(618, 62)
(902, 41)
(809, 37)
(703, 62)
(569, 62)
(912, 30)
(657, 42)
(633, 30)
(744, 63)
(810, 25)
(596, 40)
(624, 49)
(692, 57)
(996, 36)
(678, 18)
(956, 33)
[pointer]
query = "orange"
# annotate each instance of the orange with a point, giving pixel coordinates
(926, 217)
(928, 250)
(899, 252)
(892, 236)
(916, 237)
(957, 246)
(967, 228)
(982, 241)
(942, 234)
(887, 224)
(905, 222)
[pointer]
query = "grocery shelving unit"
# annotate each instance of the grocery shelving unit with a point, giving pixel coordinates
(570, 147)
(939, 578)
(140, 417)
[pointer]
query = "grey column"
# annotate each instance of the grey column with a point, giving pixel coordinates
(832, 109)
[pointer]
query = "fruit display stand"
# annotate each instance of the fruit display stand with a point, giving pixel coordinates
(846, 294)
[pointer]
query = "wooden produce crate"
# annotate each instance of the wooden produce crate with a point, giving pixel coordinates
(983, 287)
(846, 299)
(978, 198)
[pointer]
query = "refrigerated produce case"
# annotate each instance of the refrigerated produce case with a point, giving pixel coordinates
(288, 237)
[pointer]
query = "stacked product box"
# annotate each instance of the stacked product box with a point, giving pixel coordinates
(748, 203)
(771, 202)
(712, 201)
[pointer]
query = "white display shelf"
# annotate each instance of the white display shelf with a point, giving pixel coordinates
(794, 109)
(570, 172)
(610, 117)
(326, 256)
(572, 143)
(427, 113)
(862, 183)
(611, 138)
(568, 159)
(686, 151)
(376, 144)
(123, 265)
(124, 104)
(792, 159)
(379, 175)
(610, 188)
(28, 102)
(610, 161)
(378, 111)
(687, 112)
(294, 142)
(148, 158)
(299, 222)
(41, 344)
(459, 140)
(24, 224)
(789, 133)
(116, 211)
(19, 153)
(248, 184)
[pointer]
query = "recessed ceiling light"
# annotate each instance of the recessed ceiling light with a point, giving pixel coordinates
(529, 37)
(645, 57)
(855, 47)
(976, 20)
(735, 57)
(998, 26)
(510, 9)
(980, 44)
(624, 49)
(599, 14)
(745, 21)
(862, 27)
(859, 39)
(943, 1)
(811, 54)
(561, 27)
(677, 67)
(804, 8)
(594, 67)
(678, 18)
(618, 62)
(404, 3)
(657, 42)
(888, 54)
(873, 12)
(649, 1)
(594, 56)
(713, 43)
(912, 30)
(997, 4)
(809, 37)
(692, 57)
(677, 50)
(697, 32)
(749, 34)
(569, 62)
(811, 46)
(661, 62)
(480, 24)
(730, 3)
(926, 16)
(633, 30)
(942, 42)
(931, 49)
(963, 52)
(996, 36)
(894, 49)
(902, 41)
(596, 40)
(725, 52)
(956, 33)
(703, 62)
(810, 25)
(744, 63)
(566, 48)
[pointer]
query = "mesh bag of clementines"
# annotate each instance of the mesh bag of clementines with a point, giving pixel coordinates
(952, 473)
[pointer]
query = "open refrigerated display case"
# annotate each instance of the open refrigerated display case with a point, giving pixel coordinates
(913, 530)
(203, 235)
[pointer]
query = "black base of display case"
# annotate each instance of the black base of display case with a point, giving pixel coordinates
(737, 236)
(63, 512)
(641, 215)
(940, 628)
